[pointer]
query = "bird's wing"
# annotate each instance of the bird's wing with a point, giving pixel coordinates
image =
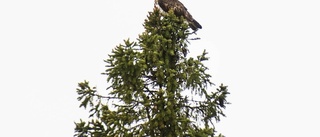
(179, 8)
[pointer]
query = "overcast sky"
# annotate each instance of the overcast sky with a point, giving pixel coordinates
(267, 52)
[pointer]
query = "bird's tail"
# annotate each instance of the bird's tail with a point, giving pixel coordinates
(194, 25)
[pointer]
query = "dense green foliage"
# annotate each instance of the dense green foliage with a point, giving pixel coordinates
(156, 90)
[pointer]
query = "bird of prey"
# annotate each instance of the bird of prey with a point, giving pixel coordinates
(179, 10)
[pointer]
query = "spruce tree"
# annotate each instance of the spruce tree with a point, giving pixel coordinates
(156, 89)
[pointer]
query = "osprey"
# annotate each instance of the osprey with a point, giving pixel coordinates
(179, 10)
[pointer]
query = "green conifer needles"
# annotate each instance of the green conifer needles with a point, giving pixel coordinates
(155, 89)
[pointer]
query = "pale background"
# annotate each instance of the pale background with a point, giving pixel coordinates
(266, 51)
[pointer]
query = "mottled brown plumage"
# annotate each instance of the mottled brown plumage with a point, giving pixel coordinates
(179, 10)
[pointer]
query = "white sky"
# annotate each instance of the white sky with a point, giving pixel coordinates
(266, 51)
